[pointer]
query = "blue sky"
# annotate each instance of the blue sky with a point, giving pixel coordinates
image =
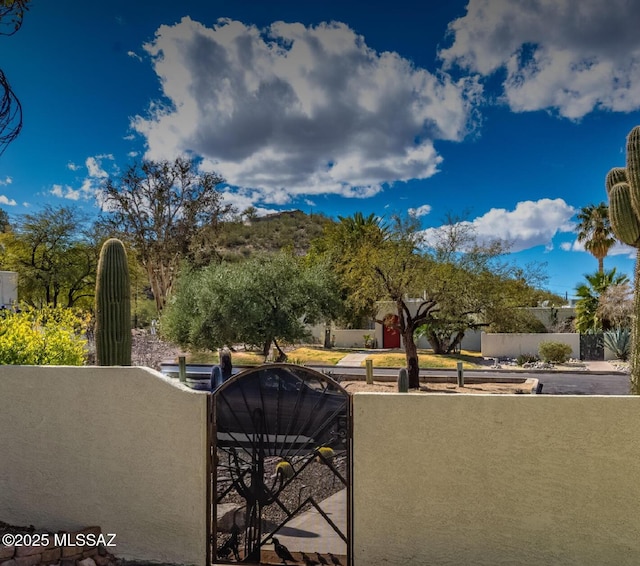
(506, 114)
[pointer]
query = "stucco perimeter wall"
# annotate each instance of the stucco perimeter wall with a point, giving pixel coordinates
(496, 480)
(121, 448)
(512, 345)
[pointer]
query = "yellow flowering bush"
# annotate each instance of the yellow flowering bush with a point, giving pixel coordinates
(47, 336)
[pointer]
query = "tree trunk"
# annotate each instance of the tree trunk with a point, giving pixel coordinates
(282, 356)
(436, 343)
(265, 348)
(455, 343)
(601, 264)
(411, 353)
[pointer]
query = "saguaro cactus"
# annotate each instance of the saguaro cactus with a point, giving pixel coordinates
(623, 188)
(113, 306)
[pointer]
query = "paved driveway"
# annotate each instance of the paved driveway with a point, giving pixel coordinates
(584, 384)
(553, 383)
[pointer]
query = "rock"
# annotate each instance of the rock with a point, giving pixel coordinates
(228, 514)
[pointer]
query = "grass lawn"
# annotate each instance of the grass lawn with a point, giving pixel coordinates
(238, 358)
(302, 355)
(310, 356)
(307, 355)
(426, 359)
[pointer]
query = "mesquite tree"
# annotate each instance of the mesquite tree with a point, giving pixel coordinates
(166, 210)
(623, 187)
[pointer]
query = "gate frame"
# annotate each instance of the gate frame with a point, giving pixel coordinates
(211, 469)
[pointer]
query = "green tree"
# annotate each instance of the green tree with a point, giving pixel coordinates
(5, 224)
(265, 300)
(595, 232)
(444, 287)
(340, 242)
(588, 314)
(375, 262)
(473, 286)
(167, 211)
(55, 254)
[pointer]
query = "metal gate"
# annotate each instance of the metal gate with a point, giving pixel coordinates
(280, 469)
(592, 347)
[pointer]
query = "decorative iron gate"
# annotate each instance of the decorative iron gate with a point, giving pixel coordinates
(592, 347)
(280, 468)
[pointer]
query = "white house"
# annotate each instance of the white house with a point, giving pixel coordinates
(8, 288)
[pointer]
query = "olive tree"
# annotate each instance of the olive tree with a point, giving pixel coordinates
(265, 300)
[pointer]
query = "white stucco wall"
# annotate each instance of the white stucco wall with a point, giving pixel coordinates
(342, 337)
(121, 448)
(512, 345)
(438, 479)
(485, 480)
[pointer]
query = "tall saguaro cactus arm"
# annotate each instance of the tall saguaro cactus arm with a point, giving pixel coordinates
(113, 306)
(623, 188)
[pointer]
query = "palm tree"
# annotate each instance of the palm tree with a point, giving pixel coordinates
(594, 230)
(587, 315)
(356, 229)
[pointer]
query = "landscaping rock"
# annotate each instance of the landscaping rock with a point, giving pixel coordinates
(230, 514)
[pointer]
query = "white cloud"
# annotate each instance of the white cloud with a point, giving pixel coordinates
(573, 57)
(7, 201)
(293, 110)
(134, 55)
(241, 200)
(530, 224)
(7, 181)
(94, 166)
(618, 248)
(66, 192)
(132, 154)
(90, 185)
(420, 211)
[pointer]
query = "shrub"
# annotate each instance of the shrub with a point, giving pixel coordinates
(556, 352)
(526, 359)
(619, 342)
(48, 336)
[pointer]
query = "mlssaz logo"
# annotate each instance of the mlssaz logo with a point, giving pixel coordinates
(82, 539)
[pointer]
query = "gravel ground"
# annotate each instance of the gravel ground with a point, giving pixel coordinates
(315, 480)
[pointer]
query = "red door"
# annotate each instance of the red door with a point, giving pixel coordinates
(390, 336)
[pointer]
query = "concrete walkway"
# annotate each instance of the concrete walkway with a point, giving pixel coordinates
(309, 532)
(600, 366)
(352, 360)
